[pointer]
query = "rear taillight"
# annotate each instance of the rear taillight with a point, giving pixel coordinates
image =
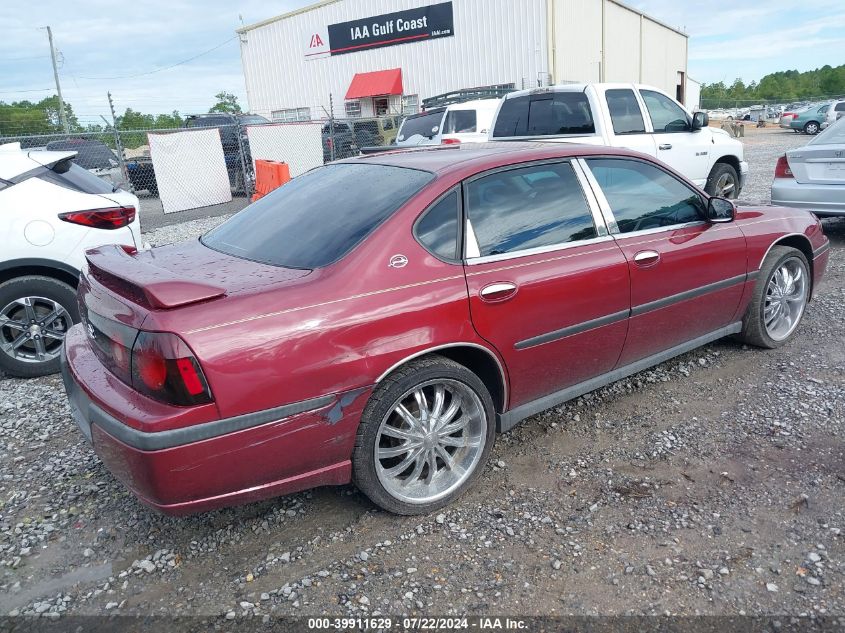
(450, 141)
(782, 169)
(164, 368)
(109, 219)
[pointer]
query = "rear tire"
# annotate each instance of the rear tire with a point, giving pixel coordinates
(778, 303)
(35, 313)
(811, 128)
(723, 181)
(430, 448)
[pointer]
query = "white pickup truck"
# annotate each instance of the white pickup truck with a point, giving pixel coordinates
(637, 117)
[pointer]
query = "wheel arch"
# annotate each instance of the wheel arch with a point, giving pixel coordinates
(476, 358)
(798, 241)
(727, 159)
(36, 266)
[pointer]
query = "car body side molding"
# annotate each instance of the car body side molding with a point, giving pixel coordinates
(688, 294)
(506, 421)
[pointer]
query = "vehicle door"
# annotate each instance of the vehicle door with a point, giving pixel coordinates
(677, 144)
(687, 275)
(627, 124)
(548, 287)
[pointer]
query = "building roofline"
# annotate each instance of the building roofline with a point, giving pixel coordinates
(323, 3)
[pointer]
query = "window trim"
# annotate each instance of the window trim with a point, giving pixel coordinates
(607, 210)
(460, 210)
(602, 233)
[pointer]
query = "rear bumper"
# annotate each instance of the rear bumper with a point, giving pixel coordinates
(820, 199)
(219, 463)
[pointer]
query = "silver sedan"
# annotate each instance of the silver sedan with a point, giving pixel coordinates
(813, 177)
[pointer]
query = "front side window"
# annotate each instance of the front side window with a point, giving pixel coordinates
(545, 114)
(459, 121)
(625, 111)
(437, 229)
(643, 196)
(318, 217)
(666, 115)
(528, 207)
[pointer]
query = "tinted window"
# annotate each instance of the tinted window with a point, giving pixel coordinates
(528, 207)
(642, 196)
(209, 121)
(437, 230)
(90, 155)
(318, 217)
(545, 114)
(367, 126)
(458, 121)
(387, 124)
(252, 119)
(666, 115)
(69, 175)
(839, 107)
(427, 125)
(625, 111)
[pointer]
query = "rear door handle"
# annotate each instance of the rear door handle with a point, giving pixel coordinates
(665, 146)
(644, 259)
(499, 291)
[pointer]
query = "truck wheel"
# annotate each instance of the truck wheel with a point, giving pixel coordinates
(811, 128)
(35, 314)
(723, 181)
(424, 436)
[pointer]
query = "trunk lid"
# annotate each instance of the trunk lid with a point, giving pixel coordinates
(818, 164)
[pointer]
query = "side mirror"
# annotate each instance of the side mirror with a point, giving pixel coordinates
(700, 120)
(720, 210)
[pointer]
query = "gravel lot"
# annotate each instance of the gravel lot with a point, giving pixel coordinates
(712, 484)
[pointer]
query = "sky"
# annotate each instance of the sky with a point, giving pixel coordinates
(128, 48)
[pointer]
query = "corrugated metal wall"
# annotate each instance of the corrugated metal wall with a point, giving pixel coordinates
(577, 40)
(622, 44)
(663, 56)
(495, 41)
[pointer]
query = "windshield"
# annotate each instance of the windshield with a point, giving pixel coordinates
(833, 135)
(318, 217)
(253, 119)
(427, 125)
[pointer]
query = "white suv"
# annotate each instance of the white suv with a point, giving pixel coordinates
(51, 211)
(637, 117)
(466, 122)
(834, 112)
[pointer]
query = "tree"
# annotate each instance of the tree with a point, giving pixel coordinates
(226, 102)
(21, 118)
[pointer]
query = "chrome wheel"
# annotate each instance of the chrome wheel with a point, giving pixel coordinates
(430, 441)
(32, 329)
(786, 298)
(725, 185)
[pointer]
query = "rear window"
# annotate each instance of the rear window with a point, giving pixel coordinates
(427, 125)
(318, 217)
(545, 114)
(69, 175)
(89, 155)
(834, 135)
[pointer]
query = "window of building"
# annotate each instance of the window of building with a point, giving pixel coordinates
(643, 196)
(666, 115)
(625, 111)
(437, 230)
(528, 207)
(291, 114)
(353, 108)
(410, 104)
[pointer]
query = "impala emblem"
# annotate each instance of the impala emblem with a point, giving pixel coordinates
(398, 261)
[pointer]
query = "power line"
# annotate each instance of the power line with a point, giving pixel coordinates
(21, 91)
(158, 70)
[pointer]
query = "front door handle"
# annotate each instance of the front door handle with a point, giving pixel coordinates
(665, 146)
(499, 291)
(644, 259)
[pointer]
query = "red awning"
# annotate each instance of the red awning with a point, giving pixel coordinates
(380, 82)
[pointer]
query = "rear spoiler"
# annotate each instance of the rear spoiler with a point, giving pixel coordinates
(123, 270)
(377, 149)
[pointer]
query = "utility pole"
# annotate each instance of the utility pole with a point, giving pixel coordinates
(62, 116)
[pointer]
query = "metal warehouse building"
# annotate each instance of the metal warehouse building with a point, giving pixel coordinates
(379, 57)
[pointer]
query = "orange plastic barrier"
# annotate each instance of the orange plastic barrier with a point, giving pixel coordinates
(269, 175)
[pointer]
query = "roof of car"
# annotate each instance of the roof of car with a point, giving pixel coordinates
(445, 158)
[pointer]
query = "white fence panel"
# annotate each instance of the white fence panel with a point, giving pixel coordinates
(300, 145)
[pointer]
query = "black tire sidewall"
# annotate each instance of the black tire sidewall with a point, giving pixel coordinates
(36, 286)
(718, 170)
(382, 400)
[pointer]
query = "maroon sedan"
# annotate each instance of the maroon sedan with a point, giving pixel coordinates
(378, 319)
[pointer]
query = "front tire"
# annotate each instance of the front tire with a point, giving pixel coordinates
(424, 436)
(811, 128)
(723, 181)
(35, 314)
(779, 299)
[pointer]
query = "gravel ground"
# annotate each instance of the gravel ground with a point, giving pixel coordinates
(711, 484)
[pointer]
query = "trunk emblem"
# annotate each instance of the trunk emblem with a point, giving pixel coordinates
(398, 261)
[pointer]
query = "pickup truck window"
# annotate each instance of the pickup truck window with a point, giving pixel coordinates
(666, 115)
(625, 111)
(642, 196)
(545, 114)
(528, 207)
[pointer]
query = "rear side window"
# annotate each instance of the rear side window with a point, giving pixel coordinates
(840, 107)
(437, 229)
(666, 115)
(69, 175)
(318, 217)
(427, 125)
(528, 207)
(643, 196)
(459, 121)
(625, 111)
(545, 114)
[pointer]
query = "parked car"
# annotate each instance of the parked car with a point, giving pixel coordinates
(810, 120)
(473, 287)
(383, 129)
(95, 156)
(813, 177)
(346, 139)
(51, 210)
(466, 122)
(233, 137)
(627, 115)
(786, 118)
(835, 111)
